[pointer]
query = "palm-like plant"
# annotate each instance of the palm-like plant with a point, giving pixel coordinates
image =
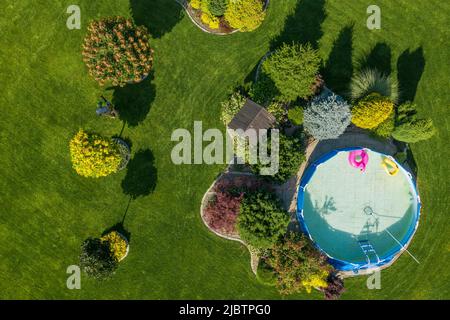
(370, 81)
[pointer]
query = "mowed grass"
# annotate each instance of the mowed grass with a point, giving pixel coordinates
(47, 95)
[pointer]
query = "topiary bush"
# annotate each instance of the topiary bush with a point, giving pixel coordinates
(327, 117)
(96, 259)
(297, 265)
(232, 106)
(116, 51)
(371, 111)
(94, 156)
(294, 70)
(370, 81)
(296, 115)
(245, 15)
(261, 221)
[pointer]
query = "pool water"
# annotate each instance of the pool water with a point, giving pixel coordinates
(340, 207)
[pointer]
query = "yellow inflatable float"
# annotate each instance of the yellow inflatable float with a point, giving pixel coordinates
(390, 166)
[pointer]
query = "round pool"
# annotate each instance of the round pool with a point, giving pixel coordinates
(360, 217)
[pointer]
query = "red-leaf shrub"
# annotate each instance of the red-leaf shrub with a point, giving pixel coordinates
(222, 212)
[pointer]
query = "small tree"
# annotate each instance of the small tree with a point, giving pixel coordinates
(245, 15)
(116, 51)
(327, 117)
(294, 70)
(96, 259)
(371, 111)
(94, 156)
(232, 106)
(298, 265)
(261, 221)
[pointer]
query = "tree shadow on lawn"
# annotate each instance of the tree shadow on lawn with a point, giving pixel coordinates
(410, 67)
(141, 177)
(378, 58)
(159, 16)
(338, 70)
(134, 101)
(304, 25)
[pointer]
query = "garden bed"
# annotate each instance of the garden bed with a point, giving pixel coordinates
(224, 27)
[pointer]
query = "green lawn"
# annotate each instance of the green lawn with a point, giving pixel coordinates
(47, 95)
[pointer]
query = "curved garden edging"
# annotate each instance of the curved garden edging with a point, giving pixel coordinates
(190, 13)
(254, 257)
(128, 246)
(125, 151)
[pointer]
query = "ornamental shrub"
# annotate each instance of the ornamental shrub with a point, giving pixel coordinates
(245, 15)
(261, 220)
(221, 213)
(371, 111)
(96, 259)
(278, 110)
(293, 69)
(291, 154)
(94, 156)
(265, 274)
(196, 4)
(298, 266)
(263, 91)
(335, 287)
(210, 20)
(232, 106)
(217, 7)
(295, 115)
(327, 117)
(117, 244)
(385, 129)
(415, 131)
(370, 81)
(116, 51)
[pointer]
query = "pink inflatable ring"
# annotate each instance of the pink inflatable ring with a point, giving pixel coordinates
(359, 159)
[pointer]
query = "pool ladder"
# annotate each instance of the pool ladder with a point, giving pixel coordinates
(368, 249)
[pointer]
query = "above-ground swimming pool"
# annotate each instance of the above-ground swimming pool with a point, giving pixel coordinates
(360, 217)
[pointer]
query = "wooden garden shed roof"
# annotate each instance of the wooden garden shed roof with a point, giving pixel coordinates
(252, 116)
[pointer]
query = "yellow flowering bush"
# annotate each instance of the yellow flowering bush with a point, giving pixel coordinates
(371, 111)
(210, 20)
(196, 4)
(94, 156)
(117, 244)
(315, 281)
(245, 15)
